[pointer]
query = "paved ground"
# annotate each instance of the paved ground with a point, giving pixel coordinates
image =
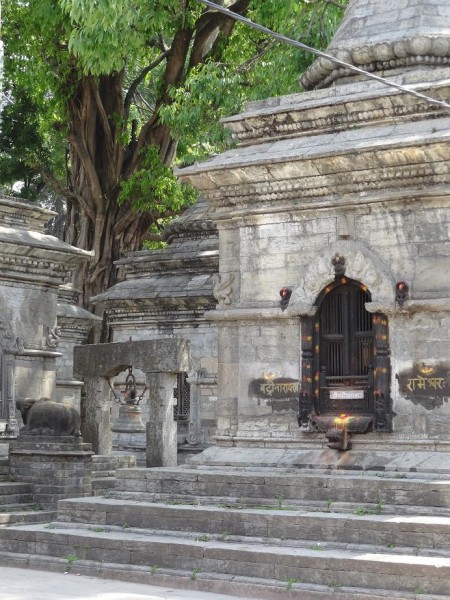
(25, 584)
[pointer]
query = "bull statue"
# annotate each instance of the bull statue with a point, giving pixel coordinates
(43, 417)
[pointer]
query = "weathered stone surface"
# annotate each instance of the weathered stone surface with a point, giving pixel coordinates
(57, 467)
(356, 169)
(380, 37)
(43, 417)
(32, 266)
(151, 356)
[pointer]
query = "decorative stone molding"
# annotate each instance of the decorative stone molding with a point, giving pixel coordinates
(361, 264)
(343, 183)
(189, 230)
(223, 288)
(418, 50)
(330, 119)
(16, 212)
(144, 315)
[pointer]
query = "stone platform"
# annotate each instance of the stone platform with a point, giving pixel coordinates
(419, 457)
(258, 532)
(57, 466)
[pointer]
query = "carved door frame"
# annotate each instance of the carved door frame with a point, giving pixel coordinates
(310, 416)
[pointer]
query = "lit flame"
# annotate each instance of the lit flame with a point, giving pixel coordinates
(342, 421)
(269, 376)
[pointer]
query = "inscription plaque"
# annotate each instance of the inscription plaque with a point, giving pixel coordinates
(347, 395)
(428, 385)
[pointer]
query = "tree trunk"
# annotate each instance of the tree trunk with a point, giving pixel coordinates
(95, 221)
(99, 160)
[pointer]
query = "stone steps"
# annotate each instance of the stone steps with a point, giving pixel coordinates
(250, 587)
(13, 515)
(284, 486)
(17, 506)
(106, 465)
(4, 468)
(333, 568)
(255, 532)
(14, 493)
(287, 526)
(104, 469)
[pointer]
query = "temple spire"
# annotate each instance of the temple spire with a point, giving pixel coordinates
(382, 36)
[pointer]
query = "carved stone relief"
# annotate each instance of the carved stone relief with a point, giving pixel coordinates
(351, 258)
(53, 338)
(223, 288)
(7, 340)
(316, 274)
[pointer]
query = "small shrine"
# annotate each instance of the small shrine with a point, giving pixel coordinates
(333, 216)
(33, 267)
(171, 292)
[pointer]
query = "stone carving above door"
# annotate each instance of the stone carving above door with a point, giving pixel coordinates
(352, 259)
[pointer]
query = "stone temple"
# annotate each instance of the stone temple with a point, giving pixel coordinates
(300, 317)
(335, 198)
(311, 279)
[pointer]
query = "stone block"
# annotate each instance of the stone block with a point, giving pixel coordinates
(58, 467)
(151, 356)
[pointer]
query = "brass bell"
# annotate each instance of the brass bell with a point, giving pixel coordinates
(130, 413)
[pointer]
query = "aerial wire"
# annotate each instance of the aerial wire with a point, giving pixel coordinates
(335, 60)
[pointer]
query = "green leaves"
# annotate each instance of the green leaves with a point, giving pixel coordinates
(103, 34)
(110, 35)
(155, 187)
(57, 50)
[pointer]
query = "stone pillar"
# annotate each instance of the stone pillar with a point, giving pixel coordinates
(194, 409)
(57, 466)
(96, 415)
(161, 428)
(228, 380)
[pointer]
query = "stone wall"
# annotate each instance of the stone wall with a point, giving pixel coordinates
(356, 169)
(266, 253)
(33, 266)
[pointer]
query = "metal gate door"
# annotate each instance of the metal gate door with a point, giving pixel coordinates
(345, 353)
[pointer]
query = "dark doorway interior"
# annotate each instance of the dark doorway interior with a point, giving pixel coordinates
(345, 360)
(344, 335)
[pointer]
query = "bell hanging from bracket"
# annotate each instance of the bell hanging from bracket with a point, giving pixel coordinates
(130, 413)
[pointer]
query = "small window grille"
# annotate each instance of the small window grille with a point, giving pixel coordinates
(182, 394)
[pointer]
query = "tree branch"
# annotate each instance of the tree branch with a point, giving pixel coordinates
(208, 23)
(265, 47)
(104, 120)
(134, 84)
(50, 178)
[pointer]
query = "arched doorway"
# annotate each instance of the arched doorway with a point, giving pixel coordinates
(345, 360)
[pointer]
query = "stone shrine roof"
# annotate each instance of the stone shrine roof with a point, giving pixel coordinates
(194, 223)
(179, 276)
(20, 213)
(380, 36)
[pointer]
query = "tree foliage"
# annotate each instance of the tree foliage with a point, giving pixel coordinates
(106, 95)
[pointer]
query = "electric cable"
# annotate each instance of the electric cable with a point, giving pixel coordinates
(320, 53)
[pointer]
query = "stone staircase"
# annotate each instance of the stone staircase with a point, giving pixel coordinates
(4, 468)
(16, 501)
(104, 471)
(262, 533)
(16, 498)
